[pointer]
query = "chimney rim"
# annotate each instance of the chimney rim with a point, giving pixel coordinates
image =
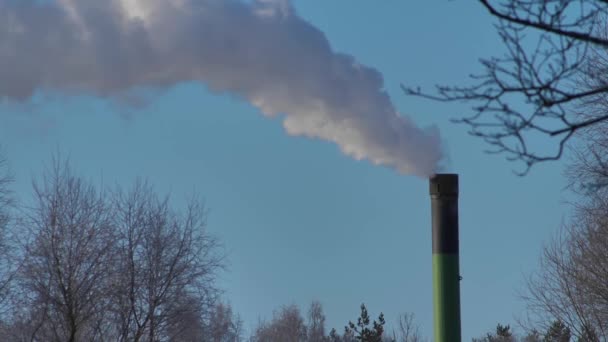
(443, 184)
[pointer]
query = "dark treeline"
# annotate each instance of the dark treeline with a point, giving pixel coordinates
(288, 324)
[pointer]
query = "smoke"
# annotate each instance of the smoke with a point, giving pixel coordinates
(260, 50)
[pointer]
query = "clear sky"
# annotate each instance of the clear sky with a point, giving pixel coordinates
(299, 219)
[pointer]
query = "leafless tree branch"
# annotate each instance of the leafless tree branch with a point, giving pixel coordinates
(528, 97)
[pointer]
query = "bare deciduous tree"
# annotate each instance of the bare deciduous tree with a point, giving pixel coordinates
(532, 90)
(316, 322)
(287, 325)
(588, 169)
(94, 267)
(185, 321)
(8, 262)
(164, 257)
(407, 330)
(6, 199)
(571, 285)
(223, 325)
(64, 277)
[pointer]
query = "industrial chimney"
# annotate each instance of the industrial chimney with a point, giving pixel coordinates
(446, 275)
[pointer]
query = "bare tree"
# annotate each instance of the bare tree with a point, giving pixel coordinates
(532, 90)
(407, 330)
(164, 257)
(8, 262)
(316, 322)
(126, 267)
(185, 321)
(9, 257)
(6, 198)
(571, 285)
(287, 325)
(223, 325)
(64, 277)
(588, 169)
(190, 323)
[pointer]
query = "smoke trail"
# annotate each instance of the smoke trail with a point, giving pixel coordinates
(259, 50)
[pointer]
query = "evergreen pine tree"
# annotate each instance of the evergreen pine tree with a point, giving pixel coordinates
(362, 330)
(558, 332)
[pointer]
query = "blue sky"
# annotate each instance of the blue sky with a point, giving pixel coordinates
(299, 219)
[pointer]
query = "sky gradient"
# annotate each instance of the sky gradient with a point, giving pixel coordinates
(299, 219)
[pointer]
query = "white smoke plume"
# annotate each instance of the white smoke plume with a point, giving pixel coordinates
(260, 50)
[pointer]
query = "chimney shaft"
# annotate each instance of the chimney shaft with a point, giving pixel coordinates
(446, 274)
